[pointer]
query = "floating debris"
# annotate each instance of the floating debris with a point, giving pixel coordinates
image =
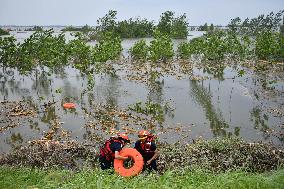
(21, 109)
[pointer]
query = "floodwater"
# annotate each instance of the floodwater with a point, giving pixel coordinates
(232, 106)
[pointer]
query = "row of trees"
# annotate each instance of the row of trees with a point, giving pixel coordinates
(220, 44)
(261, 37)
(252, 27)
(131, 28)
(83, 29)
(205, 27)
(261, 40)
(213, 46)
(174, 26)
(160, 48)
(35, 28)
(44, 49)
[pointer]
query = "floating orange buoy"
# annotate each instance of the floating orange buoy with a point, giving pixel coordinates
(137, 165)
(68, 105)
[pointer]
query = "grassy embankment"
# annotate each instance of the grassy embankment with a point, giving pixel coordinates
(36, 178)
(216, 163)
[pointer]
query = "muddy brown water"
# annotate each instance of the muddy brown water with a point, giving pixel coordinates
(233, 106)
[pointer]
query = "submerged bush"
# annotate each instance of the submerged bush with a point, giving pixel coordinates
(218, 45)
(184, 50)
(135, 28)
(254, 26)
(8, 48)
(175, 27)
(149, 108)
(4, 32)
(269, 46)
(42, 48)
(161, 48)
(237, 46)
(45, 49)
(139, 51)
(81, 55)
(131, 28)
(215, 46)
(108, 48)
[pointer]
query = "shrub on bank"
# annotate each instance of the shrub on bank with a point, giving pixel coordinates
(3, 32)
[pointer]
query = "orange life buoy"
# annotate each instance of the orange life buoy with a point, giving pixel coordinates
(68, 105)
(137, 165)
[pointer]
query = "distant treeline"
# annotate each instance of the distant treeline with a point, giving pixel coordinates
(85, 28)
(35, 28)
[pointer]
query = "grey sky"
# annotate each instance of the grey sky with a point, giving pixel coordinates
(81, 12)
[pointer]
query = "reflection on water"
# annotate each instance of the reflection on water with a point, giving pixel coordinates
(49, 115)
(15, 140)
(215, 107)
(203, 98)
(112, 92)
(155, 93)
(260, 121)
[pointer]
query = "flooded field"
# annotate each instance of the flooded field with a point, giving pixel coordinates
(192, 102)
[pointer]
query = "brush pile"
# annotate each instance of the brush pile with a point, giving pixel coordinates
(216, 155)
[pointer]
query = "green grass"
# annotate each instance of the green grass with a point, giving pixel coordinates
(36, 178)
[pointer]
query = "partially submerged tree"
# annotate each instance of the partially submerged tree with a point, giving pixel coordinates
(4, 32)
(282, 27)
(175, 27)
(270, 22)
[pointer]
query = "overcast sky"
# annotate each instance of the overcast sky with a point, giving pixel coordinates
(81, 12)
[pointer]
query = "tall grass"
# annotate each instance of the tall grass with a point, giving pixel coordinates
(36, 178)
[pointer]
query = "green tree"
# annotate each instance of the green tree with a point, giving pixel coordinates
(4, 32)
(108, 22)
(269, 46)
(35, 28)
(175, 27)
(282, 27)
(134, 28)
(211, 28)
(139, 51)
(80, 53)
(252, 27)
(8, 49)
(179, 27)
(184, 50)
(165, 23)
(203, 28)
(234, 25)
(108, 48)
(161, 48)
